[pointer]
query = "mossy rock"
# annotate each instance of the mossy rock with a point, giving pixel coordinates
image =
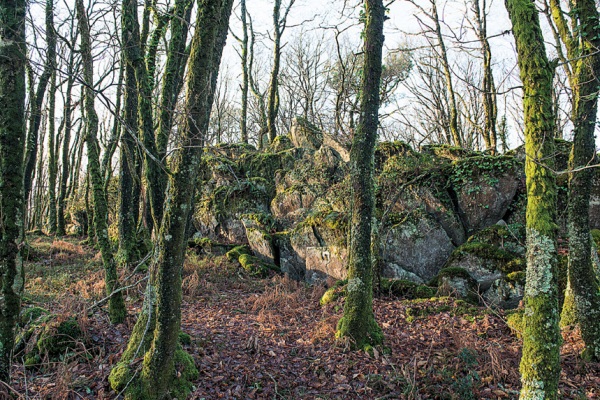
(500, 258)
(406, 289)
(59, 336)
(510, 238)
(281, 143)
(457, 282)
(33, 315)
(335, 292)
(235, 253)
(386, 150)
(256, 267)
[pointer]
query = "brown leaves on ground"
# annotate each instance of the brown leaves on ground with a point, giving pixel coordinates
(270, 339)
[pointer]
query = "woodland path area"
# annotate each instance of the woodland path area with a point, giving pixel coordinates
(270, 339)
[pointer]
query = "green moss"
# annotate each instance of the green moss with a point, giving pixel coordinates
(235, 253)
(333, 293)
(485, 251)
(596, 236)
(120, 376)
(406, 289)
(281, 143)
(56, 337)
(451, 272)
(185, 374)
(255, 266)
(31, 315)
(482, 168)
(516, 277)
(514, 320)
(185, 339)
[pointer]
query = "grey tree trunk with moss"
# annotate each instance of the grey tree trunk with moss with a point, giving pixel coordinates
(540, 363)
(116, 305)
(582, 45)
(12, 140)
(358, 322)
(156, 332)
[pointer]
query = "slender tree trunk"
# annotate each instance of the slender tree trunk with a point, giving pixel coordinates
(116, 305)
(584, 285)
(12, 140)
(113, 141)
(358, 322)
(244, 56)
(453, 122)
(52, 159)
(133, 53)
(273, 97)
(156, 332)
(36, 103)
(540, 363)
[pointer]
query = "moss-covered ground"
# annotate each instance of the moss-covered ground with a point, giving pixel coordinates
(257, 338)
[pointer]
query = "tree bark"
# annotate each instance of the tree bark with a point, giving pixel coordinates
(12, 140)
(540, 363)
(358, 322)
(157, 329)
(116, 305)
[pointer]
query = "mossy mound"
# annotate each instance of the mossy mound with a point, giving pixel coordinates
(257, 267)
(47, 337)
(406, 289)
(335, 292)
(235, 253)
(510, 238)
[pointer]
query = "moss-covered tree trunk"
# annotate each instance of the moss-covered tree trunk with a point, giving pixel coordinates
(358, 322)
(12, 140)
(586, 83)
(68, 126)
(244, 58)
(35, 118)
(134, 56)
(128, 207)
(157, 330)
(273, 96)
(116, 305)
(540, 363)
(52, 160)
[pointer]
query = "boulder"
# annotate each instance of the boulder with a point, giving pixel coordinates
(326, 262)
(485, 187)
(259, 240)
(415, 243)
(306, 135)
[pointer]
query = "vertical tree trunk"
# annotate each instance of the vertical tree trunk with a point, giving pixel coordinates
(52, 159)
(36, 103)
(244, 56)
(12, 140)
(582, 280)
(156, 331)
(358, 322)
(540, 364)
(116, 305)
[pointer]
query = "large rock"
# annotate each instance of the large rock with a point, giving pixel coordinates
(326, 262)
(259, 240)
(485, 187)
(417, 244)
(306, 135)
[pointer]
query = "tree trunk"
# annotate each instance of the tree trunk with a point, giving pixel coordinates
(52, 160)
(157, 329)
(12, 140)
(358, 322)
(116, 305)
(582, 280)
(540, 363)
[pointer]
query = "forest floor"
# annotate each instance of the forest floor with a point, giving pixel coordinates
(270, 339)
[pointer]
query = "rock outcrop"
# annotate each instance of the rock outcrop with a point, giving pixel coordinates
(444, 215)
